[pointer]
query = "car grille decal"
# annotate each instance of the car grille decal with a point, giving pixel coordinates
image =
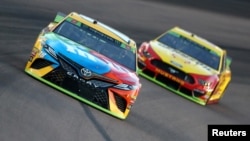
(67, 67)
(77, 69)
(93, 89)
(179, 74)
(120, 102)
(40, 63)
(167, 81)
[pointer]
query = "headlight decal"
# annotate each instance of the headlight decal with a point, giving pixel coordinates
(50, 50)
(204, 83)
(125, 87)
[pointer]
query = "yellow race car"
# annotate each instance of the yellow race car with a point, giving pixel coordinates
(186, 64)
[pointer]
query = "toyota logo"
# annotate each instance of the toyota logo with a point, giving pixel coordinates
(86, 72)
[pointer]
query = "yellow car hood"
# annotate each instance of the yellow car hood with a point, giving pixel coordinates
(181, 60)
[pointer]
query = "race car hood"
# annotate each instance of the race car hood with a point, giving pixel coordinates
(181, 60)
(88, 58)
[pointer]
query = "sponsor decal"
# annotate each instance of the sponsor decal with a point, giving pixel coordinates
(80, 80)
(172, 71)
(170, 76)
(187, 62)
(33, 54)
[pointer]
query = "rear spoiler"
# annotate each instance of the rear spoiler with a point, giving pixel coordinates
(59, 17)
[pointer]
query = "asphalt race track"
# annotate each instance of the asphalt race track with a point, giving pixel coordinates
(32, 111)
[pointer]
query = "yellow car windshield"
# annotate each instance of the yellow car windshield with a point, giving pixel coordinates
(192, 49)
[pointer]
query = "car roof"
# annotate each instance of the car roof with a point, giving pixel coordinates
(197, 39)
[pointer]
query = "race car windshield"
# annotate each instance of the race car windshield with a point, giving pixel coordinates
(196, 51)
(98, 41)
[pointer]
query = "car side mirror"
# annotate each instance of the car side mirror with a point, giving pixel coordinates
(228, 61)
